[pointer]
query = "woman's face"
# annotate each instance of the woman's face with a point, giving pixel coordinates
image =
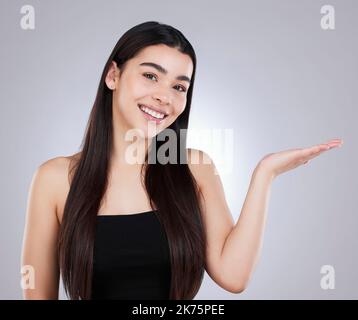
(157, 78)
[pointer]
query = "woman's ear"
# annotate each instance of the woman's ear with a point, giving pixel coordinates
(112, 76)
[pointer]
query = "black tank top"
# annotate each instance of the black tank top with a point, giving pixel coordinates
(131, 258)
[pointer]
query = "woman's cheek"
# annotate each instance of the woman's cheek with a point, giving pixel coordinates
(140, 89)
(181, 104)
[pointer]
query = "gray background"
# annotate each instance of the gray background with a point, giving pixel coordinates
(266, 69)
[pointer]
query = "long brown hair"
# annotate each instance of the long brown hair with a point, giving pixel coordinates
(171, 187)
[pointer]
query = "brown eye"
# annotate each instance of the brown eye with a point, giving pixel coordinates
(148, 74)
(183, 89)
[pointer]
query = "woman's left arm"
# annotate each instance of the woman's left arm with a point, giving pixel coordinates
(233, 250)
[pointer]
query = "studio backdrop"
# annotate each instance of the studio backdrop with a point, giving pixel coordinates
(271, 75)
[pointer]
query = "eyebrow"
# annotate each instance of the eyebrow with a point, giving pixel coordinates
(164, 71)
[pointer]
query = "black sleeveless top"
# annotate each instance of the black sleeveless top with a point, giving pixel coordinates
(131, 258)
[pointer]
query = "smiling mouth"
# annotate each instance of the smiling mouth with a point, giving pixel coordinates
(151, 114)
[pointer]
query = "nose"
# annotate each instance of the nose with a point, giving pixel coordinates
(161, 97)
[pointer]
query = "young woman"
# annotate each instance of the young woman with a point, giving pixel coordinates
(118, 229)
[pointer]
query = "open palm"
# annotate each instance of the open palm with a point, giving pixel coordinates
(283, 161)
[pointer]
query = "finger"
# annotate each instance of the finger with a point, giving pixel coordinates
(335, 142)
(317, 151)
(326, 146)
(314, 151)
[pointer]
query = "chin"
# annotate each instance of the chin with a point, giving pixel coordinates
(144, 132)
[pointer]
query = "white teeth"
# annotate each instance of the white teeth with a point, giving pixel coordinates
(152, 113)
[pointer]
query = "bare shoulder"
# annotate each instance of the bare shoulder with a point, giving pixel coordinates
(54, 166)
(55, 173)
(55, 170)
(201, 165)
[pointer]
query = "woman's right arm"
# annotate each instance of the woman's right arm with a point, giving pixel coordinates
(39, 264)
